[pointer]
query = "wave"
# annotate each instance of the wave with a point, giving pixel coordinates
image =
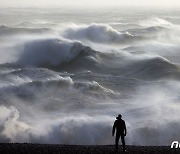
(155, 21)
(161, 49)
(147, 31)
(24, 83)
(94, 88)
(20, 76)
(58, 131)
(147, 69)
(35, 24)
(155, 28)
(154, 68)
(5, 30)
(10, 125)
(82, 129)
(26, 88)
(99, 33)
(72, 57)
(49, 52)
(124, 24)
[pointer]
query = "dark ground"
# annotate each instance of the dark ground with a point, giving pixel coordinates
(13, 148)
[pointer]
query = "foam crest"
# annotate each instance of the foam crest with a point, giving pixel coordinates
(94, 87)
(12, 129)
(99, 33)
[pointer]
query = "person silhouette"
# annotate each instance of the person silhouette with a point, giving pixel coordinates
(121, 131)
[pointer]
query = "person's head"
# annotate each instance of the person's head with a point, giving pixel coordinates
(119, 116)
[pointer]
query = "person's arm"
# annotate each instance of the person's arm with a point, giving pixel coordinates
(113, 129)
(125, 130)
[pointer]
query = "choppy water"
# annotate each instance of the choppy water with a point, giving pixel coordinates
(65, 74)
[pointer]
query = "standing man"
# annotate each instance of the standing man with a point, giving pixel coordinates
(120, 127)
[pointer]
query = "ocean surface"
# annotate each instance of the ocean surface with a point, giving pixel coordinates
(66, 73)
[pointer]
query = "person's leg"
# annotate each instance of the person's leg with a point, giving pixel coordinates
(117, 141)
(123, 142)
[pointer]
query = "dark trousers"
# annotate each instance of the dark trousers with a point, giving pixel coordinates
(118, 135)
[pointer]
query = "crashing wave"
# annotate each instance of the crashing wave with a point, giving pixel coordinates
(49, 52)
(99, 33)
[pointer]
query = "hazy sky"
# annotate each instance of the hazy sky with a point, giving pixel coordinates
(98, 3)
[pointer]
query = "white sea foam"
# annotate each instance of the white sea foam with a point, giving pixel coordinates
(98, 33)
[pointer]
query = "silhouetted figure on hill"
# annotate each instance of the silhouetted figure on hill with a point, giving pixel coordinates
(120, 127)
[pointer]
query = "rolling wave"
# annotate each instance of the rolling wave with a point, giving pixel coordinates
(72, 57)
(99, 33)
(155, 68)
(49, 52)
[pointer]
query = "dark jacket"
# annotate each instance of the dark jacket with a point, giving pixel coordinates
(119, 126)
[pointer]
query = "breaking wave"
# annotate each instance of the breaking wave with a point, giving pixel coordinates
(74, 56)
(99, 33)
(49, 52)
